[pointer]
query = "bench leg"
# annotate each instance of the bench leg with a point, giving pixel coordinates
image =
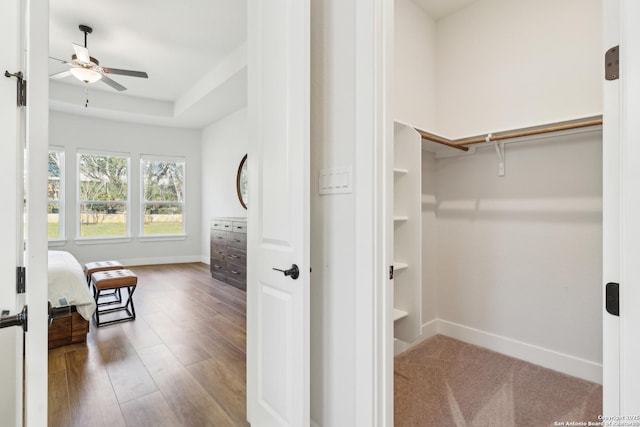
(127, 306)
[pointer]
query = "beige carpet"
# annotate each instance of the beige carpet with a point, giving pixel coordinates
(444, 382)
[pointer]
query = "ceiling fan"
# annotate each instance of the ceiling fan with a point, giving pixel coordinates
(87, 68)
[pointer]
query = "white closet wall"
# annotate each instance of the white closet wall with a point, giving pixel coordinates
(504, 64)
(519, 261)
(414, 83)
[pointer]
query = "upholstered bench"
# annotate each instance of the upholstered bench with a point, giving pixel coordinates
(111, 280)
(94, 267)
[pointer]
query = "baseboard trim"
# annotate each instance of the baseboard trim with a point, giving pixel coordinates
(428, 330)
(160, 260)
(547, 358)
(565, 363)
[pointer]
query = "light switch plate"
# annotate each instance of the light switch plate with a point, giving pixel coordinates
(335, 181)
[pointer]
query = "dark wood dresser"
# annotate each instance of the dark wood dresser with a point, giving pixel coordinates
(229, 251)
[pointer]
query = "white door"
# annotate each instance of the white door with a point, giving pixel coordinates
(621, 202)
(24, 32)
(11, 338)
(278, 211)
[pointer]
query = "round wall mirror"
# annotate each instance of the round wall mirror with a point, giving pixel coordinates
(242, 182)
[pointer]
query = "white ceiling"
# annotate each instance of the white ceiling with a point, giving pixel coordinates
(179, 44)
(191, 50)
(440, 8)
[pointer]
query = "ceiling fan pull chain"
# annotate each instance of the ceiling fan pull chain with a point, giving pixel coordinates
(86, 95)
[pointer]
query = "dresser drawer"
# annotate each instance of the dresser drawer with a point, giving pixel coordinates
(237, 254)
(237, 269)
(239, 227)
(218, 251)
(221, 225)
(219, 237)
(237, 240)
(218, 265)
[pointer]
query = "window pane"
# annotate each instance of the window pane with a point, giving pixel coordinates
(162, 219)
(103, 220)
(163, 185)
(53, 220)
(163, 181)
(103, 193)
(103, 178)
(53, 188)
(55, 173)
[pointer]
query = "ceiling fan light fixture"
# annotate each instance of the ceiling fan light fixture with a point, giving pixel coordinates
(86, 75)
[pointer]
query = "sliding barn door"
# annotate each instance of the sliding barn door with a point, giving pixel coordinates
(278, 227)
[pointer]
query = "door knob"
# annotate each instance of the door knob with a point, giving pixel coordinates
(19, 319)
(294, 272)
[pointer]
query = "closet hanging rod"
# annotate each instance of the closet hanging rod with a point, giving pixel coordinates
(516, 133)
(440, 140)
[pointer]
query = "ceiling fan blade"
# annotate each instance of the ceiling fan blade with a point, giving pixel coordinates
(60, 75)
(82, 53)
(62, 61)
(125, 72)
(117, 86)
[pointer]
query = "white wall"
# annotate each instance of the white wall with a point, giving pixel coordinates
(77, 132)
(414, 92)
(520, 256)
(333, 246)
(224, 144)
(505, 64)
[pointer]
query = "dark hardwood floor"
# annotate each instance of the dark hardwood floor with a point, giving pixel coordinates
(180, 363)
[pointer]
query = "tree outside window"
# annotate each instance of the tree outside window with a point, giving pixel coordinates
(103, 191)
(163, 195)
(55, 186)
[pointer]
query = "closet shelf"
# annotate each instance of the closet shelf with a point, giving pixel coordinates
(399, 266)
(399, 171)
(399, 314)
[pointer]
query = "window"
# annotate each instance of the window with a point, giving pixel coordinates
(103, 195)
(163, 195)
(55, 194)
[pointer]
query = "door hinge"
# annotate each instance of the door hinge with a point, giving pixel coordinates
(612, 296)
(21, 97)
(391, 272)
(612, 63)
(21, 279)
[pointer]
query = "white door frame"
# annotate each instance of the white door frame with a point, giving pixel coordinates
(629, 208)
(36, 364)
(611, 214)
(373, 181)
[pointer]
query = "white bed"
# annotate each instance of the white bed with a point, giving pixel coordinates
(67, 280)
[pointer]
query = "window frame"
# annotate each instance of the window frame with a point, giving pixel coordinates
(61, 239)
(126, 203)
(143, 201)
